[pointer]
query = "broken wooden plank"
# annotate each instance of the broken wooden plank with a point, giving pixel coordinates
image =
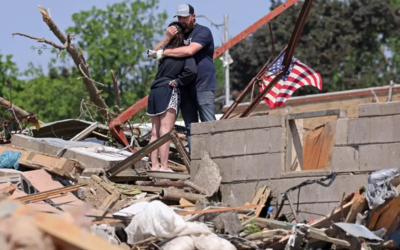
(168, 175)
(107, 204)
(297, 142)
(69, 168)
(46, 195)
(359, 205)
(9, 189)
(318, 145)
(62, 231)
(181, 150)
(109, 188)
(139, 155)
(218, 210)
(85, 133)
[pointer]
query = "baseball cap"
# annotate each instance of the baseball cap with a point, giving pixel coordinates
(185, 10)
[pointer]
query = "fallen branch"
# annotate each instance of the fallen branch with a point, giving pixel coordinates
(4, 104)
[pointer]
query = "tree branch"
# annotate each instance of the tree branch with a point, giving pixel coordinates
(78, 58)
(116, 90)
(42, 40)
(86, 77)
(4, 104)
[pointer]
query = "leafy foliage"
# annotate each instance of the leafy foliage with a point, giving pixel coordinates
(117, 39)
(349, 43)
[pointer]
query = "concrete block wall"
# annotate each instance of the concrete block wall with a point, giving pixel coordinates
(251, 152)
(369, 142)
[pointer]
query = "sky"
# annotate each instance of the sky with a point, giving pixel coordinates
(23, 16)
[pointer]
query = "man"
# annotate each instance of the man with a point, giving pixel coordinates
(197, 99)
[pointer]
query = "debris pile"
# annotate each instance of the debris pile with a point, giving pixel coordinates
(58, 188)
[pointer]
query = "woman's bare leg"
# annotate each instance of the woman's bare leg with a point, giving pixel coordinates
(167, 121)
(155, 134)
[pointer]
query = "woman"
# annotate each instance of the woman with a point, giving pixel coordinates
(164, 96)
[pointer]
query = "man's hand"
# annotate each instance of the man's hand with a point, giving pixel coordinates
(171, 32)
(156, 54)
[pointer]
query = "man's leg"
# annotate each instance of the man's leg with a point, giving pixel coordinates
(206, 105)
(189, 110)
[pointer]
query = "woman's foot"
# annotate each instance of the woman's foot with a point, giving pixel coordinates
(155, 168)
(166, 170)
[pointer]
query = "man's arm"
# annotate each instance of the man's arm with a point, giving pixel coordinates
(184, 51)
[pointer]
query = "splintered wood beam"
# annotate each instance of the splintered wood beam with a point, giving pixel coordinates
(139, 154)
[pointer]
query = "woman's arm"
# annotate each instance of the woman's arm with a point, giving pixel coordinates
(188, 73)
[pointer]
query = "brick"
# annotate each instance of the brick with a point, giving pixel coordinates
(370, 157)
(381, 129)
(345, 159)
(40, 180)
(368, 110)
(379, 109)
(258, 167)
(358, 131)
(235, 124)
(200, 128)
(341, 132)
(199, 146)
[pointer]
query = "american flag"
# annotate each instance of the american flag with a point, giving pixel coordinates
(297, 76)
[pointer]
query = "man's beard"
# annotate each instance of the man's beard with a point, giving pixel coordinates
(187, 27)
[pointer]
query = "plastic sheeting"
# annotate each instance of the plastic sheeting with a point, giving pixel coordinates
(379, 187)
(157, 219)
(9, 159)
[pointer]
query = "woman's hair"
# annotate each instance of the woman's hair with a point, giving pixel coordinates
(178, 39)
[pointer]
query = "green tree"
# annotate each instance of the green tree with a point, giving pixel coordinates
(345, 41)
(117, 39)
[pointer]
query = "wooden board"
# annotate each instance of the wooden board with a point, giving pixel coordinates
(318, 146)
(53, 164)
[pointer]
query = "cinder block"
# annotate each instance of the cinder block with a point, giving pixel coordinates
(233, 194)
(258, 167)
(234, 143)
(359, 131)
(345, 159)
(267, 121)
(381, 129)
(379, 156)
(311, 211)
(200, 128)
(378, 109)
(341, 132)
(370, 157)
(369, 109)
(215, 145)
(317, 193)
(396, 128)
(226, 166)
(199, 146)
